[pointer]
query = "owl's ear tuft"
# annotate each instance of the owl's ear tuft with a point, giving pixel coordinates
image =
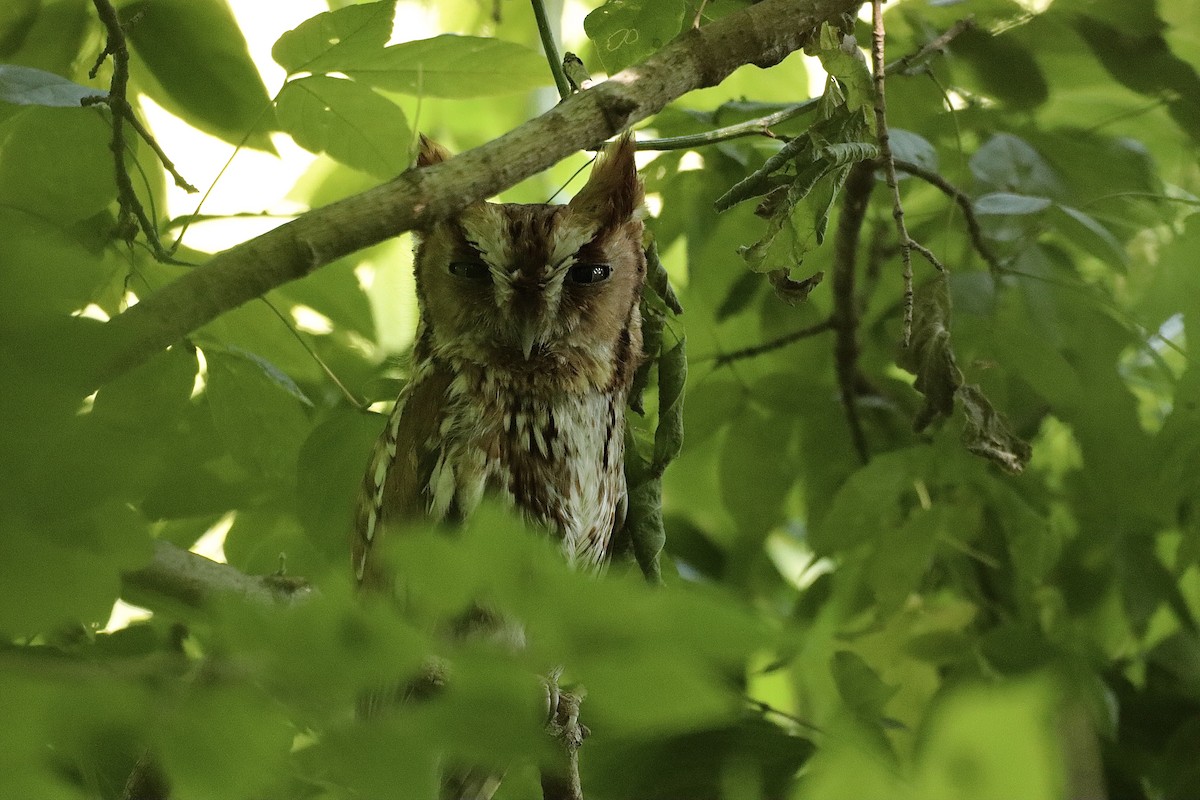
(430, 152)
(613, 194)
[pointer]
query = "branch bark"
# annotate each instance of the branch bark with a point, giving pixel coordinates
(859, 185)
(195, 580)
(762, 35)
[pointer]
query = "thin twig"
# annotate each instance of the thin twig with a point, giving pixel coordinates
(859, 184)
(929, 256)
(354, 401)
(889, 163)
(551, 49)
(130, 207)
(149, 139)
(964, 202)
(699, 14)
(221, 172)
(761, 126)
(725, 359)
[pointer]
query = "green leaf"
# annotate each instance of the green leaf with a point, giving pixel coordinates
(55, 163)
(150, 396)
(913, 148)
(626, 31)
(644, 526)
(868, 502)
(201, 67)
(331, 467)
(978, 733)
(753, 487)
(68, 572)
(1144, 63)
(672, 377)
(861, 688)
(348, 121)
(45, 271)
(797, 225)
(258, 412)
(1084, 231)
(1007, 204)
(16, 17)
(1006, 163)
(194, 736)
(332, 35)
(1005, 68)
(447, 66)
(52, 38)
(35, 87)
(658, 280)
(842, 59)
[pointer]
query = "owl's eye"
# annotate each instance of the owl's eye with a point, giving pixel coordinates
(589, 273)
(471, 270)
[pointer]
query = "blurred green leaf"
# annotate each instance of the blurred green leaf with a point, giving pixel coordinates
(1006, 203)
(1008, 164)
(1005, 68)
(55, 164)
(1084, 231)
(860, 686)
(259, 413)
(978, 734)
(446, 66)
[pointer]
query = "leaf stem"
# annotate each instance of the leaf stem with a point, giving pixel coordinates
(551, 49)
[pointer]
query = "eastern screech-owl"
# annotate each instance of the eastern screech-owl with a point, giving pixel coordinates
(529, 338)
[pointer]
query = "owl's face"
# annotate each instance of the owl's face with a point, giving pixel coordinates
(545, 292)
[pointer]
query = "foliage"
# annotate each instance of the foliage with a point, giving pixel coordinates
(1001, 602)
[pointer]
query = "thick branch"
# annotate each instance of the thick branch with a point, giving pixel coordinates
(762, 34)
(195, 580)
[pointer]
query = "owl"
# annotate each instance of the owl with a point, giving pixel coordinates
(529, 338)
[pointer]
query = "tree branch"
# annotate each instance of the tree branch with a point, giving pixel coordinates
(859, 184)
(551, 49)
(762, 125)
(724, 359)
(195, 580)
(762, 34)
(131, 215)
(964, 202)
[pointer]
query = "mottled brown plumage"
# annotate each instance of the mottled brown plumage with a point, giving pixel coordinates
(529, 338)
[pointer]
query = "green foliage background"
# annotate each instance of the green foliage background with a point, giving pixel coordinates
(923, 625)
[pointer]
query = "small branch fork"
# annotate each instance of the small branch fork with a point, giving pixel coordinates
(132, 215)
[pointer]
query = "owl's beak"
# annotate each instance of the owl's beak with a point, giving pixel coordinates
(529, 335)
